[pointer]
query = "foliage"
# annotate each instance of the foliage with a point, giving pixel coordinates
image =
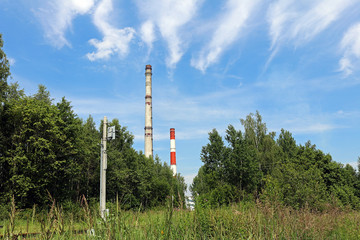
(276, 170)
(50, 149)
(46, 148)
(4, 74)
(244, 220)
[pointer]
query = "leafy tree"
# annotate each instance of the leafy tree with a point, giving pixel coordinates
(256, 135)
(4, 73)
(89, 159)
(136, 179)
(278, 170)
(67, 148)
(241, 166)
(296, 187)
(213, 155)
(287, 143)
(30, 154)
(45, 147)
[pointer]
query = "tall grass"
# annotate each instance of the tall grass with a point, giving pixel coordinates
(245, 220)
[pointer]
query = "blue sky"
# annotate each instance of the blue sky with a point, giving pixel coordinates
(214, 62)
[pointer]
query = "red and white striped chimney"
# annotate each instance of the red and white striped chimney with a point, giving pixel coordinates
(172, 151)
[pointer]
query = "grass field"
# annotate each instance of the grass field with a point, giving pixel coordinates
(244, 220)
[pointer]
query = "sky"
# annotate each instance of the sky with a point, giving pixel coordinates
(213, 62)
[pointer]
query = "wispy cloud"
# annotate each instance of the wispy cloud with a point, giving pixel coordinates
(169, 16)
(355, 165)
(147, 33)
(229, 27)
(11, 60)
(115, 41)
(189, 180)
(56, 17)
(129, 108)
(350, 45)
(298, 22)
(314, 128)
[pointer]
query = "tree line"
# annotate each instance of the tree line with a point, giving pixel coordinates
(253, 164)
(45, 148)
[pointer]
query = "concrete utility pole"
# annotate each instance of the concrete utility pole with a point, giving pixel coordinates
(148, 113)
(103, 167)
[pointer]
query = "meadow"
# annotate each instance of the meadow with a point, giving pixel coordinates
(244, 220)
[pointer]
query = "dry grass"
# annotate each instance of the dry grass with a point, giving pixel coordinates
(239, 221)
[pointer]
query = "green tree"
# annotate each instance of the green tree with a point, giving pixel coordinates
(30, 154)
(41, 154)
(89, 159)
(66, 148)
(287, 143)
(4, 75)
(256, 135)
(213, 155)
(136, 179)
(295, 186)
(241, 166)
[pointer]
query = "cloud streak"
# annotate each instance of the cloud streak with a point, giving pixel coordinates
(169, 17)
(229, 27)
(57, 16)
(115, 41)
(350, 45)
(299, 22)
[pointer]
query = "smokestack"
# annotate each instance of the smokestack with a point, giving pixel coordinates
(172, 151)
(148, 113)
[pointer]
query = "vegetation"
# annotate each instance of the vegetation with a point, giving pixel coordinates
(255, 165)
(46, 148)
(245, 220)
(254, 186)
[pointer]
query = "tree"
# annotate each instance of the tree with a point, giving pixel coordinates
(256, 135)
(30, 153)
(241, 166)
(67, 148)
(255, 129)
(213, 155)
(42, 152)
(295, 186)
(89, 159)
(136, 179)
(276, 170)
(4, 73)
(287, 143)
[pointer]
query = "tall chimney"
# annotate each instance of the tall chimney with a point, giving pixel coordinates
(172, 151)
(148, 113)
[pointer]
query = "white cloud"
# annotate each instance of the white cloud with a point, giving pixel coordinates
(11, 60)
(129, 107)
(56, 17)
(300, 21)
(346, 66)
(115, 41)
(147, 33)
(350, 45)
(228, 29)
(313, 128)
(169, 16)
(354, 165)
(189, 178)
